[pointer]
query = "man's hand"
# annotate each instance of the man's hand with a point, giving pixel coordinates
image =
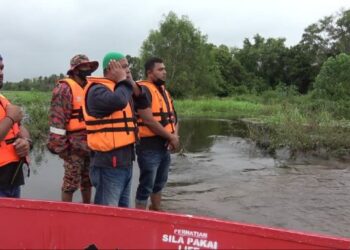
(129, 76)
(22, 147)
(136, 88)
(14, 112)
(116, 72)
(174, 143)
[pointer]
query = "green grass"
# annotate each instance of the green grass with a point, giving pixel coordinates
(36, 106)
(298, 122)
(302, 127)
(28, 97)
(218, 108)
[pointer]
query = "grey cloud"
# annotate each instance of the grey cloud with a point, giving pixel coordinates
(38, 37)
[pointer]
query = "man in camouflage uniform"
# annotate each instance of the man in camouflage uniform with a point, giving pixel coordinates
(71, 146)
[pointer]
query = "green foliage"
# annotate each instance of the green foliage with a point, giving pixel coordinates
(328, 37)
(232, 72)
(300, 68)
(264, 59)
(135, 67)
(305, 130)
(341, 33)
(191, 68)
(36, 106)
(333, 81)
(38, 84)
(217, 107)
(280, 118)
(317, 40)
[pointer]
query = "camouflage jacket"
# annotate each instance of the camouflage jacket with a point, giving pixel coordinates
(60, 113)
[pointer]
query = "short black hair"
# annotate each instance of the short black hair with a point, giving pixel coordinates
(0, 58)
(150, 63)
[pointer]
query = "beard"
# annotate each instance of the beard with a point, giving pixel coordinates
(159, 82)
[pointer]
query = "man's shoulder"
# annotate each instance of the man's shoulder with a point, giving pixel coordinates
(66, 80)
(97, 87)
(146, 93)
(3, 100)
(62, 91)
(145, 89)
(61, 86)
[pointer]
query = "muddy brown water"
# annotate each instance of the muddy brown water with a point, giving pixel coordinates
(222, 174)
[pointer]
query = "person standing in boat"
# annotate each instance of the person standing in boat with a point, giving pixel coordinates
(158, 136)
(112, 131)
(15, 144)
(67, 136)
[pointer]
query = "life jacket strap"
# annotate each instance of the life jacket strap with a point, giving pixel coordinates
(106, 130)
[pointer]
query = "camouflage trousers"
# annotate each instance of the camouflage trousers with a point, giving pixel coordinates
(76, 173)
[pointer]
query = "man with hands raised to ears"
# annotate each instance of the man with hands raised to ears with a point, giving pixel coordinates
(111, 130)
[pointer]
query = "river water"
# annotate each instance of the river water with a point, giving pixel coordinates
(222, 174)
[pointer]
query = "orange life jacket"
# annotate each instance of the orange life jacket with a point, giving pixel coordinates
(7, 150)
(111, 132)
(76, 121)
(162, 109)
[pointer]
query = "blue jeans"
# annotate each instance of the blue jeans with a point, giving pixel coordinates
(112, 185)
(14, 192)
(154, 168)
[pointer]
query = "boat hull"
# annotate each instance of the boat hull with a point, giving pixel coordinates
(57, 225)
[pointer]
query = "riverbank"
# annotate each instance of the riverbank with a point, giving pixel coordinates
(274, 121)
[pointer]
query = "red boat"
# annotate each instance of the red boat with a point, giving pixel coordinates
(57, 225)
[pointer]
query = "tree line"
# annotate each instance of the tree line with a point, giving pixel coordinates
(41, 83)
(318, 64)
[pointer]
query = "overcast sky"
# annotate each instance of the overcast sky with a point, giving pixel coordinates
(38, 37)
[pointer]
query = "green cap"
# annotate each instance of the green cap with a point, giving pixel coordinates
(111, 56)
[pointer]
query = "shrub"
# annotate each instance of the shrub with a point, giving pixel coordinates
(333, 81)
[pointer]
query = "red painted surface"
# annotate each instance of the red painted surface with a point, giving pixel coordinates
(57, 225)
